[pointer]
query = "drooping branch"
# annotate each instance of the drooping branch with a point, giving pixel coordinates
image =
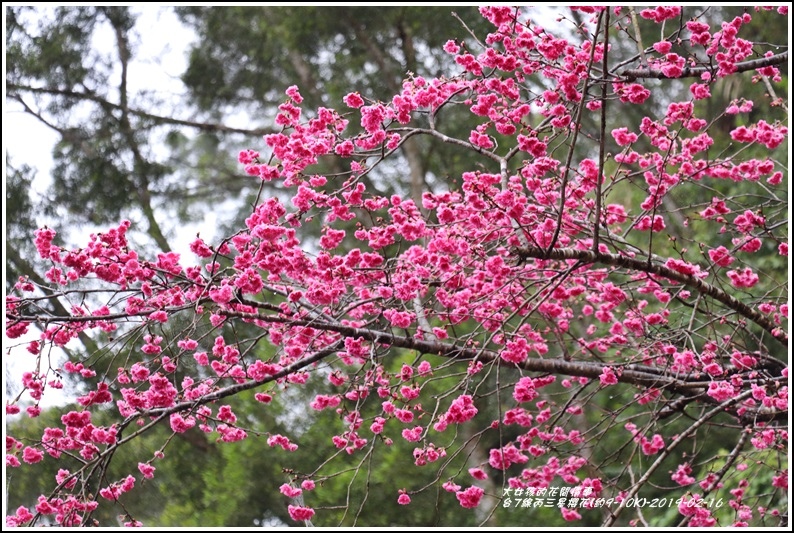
(634, 374)
(589, 256)
(695, 72)
(237, 388)
(639, 375)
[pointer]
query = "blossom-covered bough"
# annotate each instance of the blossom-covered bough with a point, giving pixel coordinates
(567, 268)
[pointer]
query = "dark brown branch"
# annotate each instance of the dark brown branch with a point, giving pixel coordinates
(639, 375)
(589, 256)
(629, 373)
(693, 72)
(203, 126)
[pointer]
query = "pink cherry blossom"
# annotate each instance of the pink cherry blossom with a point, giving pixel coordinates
(300, 514)
(470, 498)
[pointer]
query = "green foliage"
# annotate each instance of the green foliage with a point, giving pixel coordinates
(252, 54)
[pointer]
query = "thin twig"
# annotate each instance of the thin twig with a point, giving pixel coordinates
(576, 126)
(669, 449)
(734, 455)
(602, 140)
(473, 35)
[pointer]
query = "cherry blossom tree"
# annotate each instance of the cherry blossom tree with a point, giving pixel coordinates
(600, 274)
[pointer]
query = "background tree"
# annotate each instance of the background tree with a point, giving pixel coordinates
(509, 266)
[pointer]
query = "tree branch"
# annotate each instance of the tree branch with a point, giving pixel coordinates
(640, 375)
(602, 139)
(729, 462)
(576, 127)
(25, 268)
(589, 256)
(669, 449)
(695, 72)
(202, 126)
